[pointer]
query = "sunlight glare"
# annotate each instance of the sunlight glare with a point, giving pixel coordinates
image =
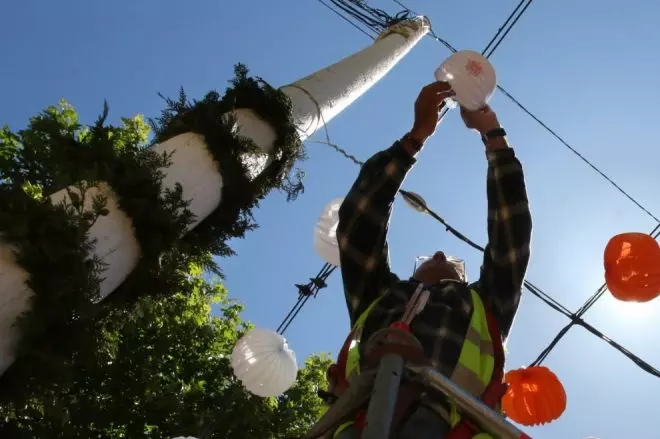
(635, 310)
(630, 312)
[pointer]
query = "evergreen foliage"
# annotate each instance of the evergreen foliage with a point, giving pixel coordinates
(51, 240)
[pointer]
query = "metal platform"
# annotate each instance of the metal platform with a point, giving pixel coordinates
(382, 389)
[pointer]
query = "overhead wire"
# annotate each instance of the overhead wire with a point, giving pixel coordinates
(506, 27)
(494, 43)
(499, 31)
(305, 291)
(346, 19)
(576, 318)
(554, 134)
(374, 18)
(515, 16)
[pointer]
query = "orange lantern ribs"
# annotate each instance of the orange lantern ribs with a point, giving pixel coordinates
(534, 396)
(632, 267)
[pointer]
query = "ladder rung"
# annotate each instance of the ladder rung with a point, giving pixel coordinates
(482, 415)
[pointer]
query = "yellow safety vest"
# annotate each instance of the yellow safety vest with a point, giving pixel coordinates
(473, 371)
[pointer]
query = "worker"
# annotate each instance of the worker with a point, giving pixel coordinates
(463, 326)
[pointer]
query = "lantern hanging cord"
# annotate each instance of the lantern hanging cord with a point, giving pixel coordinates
(377, 19)
(576, 318)
(343, 17)
(305, 291)
(506, 27)
(504, 31)
(537, 292)
(374, 18)
(320, 119)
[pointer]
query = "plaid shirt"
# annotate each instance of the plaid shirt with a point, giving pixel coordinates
(362, 234)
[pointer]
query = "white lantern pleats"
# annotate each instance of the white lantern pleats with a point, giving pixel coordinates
(263, 362)
(471, 76)
(325, 232)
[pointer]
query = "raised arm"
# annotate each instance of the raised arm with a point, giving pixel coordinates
(509, 221)
(364, 219)
(365, 213)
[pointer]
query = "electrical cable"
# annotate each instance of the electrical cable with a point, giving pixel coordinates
(508, 29)
(346, 19)
(508, 25)
(306, 291)
(500, 30)
(576, 318)
(494, 43)
(375, 19)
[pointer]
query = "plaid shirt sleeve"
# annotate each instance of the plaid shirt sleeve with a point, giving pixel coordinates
(363, 223)
(509, 237)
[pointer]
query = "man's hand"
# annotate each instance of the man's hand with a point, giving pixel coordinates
(427, 106)
(482, 121)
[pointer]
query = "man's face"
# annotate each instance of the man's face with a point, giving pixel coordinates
(437, 268)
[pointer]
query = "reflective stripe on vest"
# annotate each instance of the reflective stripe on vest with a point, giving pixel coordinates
(343, 428)
(477, 361)
(353, 358)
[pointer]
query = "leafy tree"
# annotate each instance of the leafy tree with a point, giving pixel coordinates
(161, 369)
(54, 241)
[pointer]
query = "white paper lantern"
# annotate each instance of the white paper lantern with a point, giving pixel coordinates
(471, 76)
(325, 232)
(263, 362)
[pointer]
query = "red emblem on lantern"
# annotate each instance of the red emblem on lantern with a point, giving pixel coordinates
(474, 68)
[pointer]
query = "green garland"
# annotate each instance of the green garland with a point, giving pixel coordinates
(52, 242)
(208, 117)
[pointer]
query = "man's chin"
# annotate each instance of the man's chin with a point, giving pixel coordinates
(450, 275)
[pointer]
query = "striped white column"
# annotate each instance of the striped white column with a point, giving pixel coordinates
(316, 99)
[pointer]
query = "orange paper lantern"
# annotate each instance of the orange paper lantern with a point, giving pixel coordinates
(534, 396)
(632, 267)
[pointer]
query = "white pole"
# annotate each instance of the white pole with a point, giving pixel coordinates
(339, 85)
(316, 99)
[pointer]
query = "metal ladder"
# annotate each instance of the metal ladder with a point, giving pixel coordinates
(381, 388)
(386, 386)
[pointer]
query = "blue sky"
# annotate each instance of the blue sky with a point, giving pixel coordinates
(586, 68)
